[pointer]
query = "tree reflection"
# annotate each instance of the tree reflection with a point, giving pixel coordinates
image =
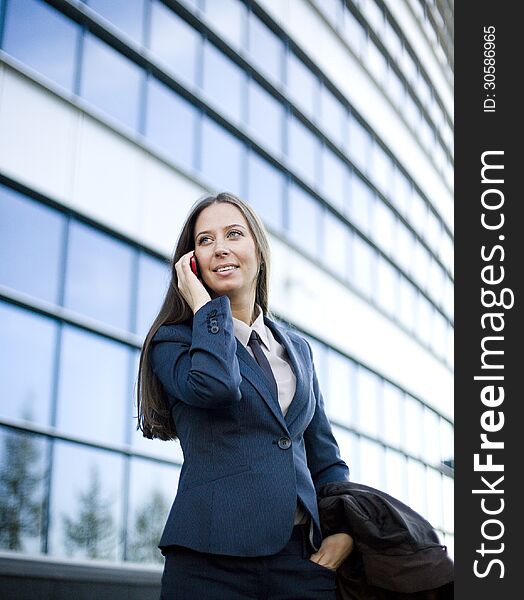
(20, 490)
(92, 531)
(149, 523)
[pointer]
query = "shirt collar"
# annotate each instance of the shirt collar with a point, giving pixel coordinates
(242, 330)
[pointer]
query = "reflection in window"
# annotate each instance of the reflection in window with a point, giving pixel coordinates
(127, 15)
(302, 86)
(170, 123)
(42, 38)
(303, 151)
(265, 49)
(393, 414)
(22, 487)
(98, 280)
(339, 394)
(228, 18)
(115, 89)
(359, 203)
(304, 220)
(359, 144)
(336, 244)
(223, 82)
(153, 278)
(93, 407)
(221, 157)
(86, 507)
(413, 425)
(266, 117)
(334, 178)
(26, 390)
(363, 266)
(396, 475)
(333, 116)
(152, 490)
(367, 394)
(174, 42)
(30, 245)
(265, 190)
(372, 461)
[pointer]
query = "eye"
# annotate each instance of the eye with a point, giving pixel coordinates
(236, 231)
(201, 239)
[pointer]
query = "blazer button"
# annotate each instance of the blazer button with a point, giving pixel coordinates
(214, 329)
(284, 443)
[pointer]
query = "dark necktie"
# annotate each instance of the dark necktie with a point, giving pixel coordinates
(260, 357)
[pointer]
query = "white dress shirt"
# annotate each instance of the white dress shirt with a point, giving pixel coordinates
(279, 363)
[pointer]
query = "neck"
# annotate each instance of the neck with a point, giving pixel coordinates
(244, 310)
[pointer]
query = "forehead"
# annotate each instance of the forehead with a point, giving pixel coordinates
(218, 215)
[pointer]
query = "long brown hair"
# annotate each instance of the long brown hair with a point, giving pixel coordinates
(154, 416)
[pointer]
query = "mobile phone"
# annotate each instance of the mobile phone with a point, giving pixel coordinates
(194, 265)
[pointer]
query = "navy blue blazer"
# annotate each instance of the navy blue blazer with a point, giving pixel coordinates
(244, 462)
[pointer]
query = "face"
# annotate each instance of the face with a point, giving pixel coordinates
(223, 237)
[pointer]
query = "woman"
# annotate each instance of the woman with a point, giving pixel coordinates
(241, 394)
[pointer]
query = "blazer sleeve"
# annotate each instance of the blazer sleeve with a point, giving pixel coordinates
(323, 454)
(201, 368)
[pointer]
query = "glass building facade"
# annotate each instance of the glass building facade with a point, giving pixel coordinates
(334, 119)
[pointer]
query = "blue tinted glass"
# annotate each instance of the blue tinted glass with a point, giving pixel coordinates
(88, 405)
(170, 123)
(127, 15)
(174, 42)
(221, 158)
(86, 506)
(302, 86)
(153, 279)
(98, 280)
(223, 83)
(151, 493)
(26, 389)
(303, 150)
(227, 17)
(265, 189)
(30, 245)
(22, 488)
(42, 38)
(265, 48)
(304, 220)
(266, 117)
(110, 81)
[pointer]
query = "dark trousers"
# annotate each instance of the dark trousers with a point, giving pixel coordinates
(287, 575)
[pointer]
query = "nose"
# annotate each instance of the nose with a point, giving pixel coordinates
(221, 249)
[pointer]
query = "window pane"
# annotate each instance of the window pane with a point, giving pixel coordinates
(431, 437)
(417, 486)
(372, 460)
(223, 83)
(93, 407)
(174, 42)
(304, 219)
(221, 158)
(393, 419)
(408, 303)
(266, 118)
(368, 401)
(98, 280)
(396, 474)
(23, 467)
(86, 504)
(340, 388)
(382, 169)
(376, 62)
(387, 280)
(26, 388)
(170, 123)
(127, 15)
(404, 248)
(334, 178)
(363, 266)
(383, 230)
(359, 203)
(151, 494)
(400, 194)
(42, 38)
(153, 278)
(303, 151)
(413, 424)
(265, 190)
(31, 237)
(446, 441)
(110, 81)
(336, 245)
(354, 33)
(359, 144)
(434, 496)
(265, 49)
(347, 443)
(227, 17)
(334, 116)
(302, 86)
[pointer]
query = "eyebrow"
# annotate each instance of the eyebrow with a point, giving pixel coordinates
(226, 227)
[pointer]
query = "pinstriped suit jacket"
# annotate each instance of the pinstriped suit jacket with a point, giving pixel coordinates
(244, 462)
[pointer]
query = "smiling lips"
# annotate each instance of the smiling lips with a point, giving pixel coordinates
(225, 268)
